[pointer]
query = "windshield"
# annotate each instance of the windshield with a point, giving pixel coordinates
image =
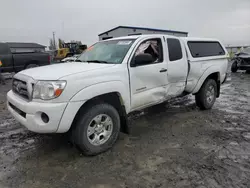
(112, 51)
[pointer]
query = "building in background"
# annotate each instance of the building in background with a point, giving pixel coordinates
(20, 47)
(128, 31)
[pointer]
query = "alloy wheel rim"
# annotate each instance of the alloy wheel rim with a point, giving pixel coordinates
(210, 94)
(100, 129)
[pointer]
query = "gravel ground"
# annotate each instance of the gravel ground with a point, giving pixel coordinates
(170, 145)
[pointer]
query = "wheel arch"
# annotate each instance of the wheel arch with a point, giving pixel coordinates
(113, 98)
(209, 74)
(32, 62)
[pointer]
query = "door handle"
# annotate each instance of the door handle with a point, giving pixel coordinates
(163, 70)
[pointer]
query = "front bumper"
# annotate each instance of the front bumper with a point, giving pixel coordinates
(243, 67)
(29, 113)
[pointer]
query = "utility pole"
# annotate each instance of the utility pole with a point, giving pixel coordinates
(63, 30)
(54, 41)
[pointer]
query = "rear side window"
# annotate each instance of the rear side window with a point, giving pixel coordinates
(174, 49)
(25, 50)
(204, 49)
(4, 49)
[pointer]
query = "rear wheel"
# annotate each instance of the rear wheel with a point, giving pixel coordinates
(206, 97)
(69, 55)
(97, 129)
(234, 67)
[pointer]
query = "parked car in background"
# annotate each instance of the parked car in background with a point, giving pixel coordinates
(241, 61)
(92, 97)
(19, 56)
(70, 59)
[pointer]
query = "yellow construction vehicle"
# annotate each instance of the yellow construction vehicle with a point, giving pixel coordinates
(68, 50)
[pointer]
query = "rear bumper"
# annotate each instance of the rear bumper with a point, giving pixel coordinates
(225, 79)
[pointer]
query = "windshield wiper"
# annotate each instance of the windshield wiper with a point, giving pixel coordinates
(97, 61)
(92, 61)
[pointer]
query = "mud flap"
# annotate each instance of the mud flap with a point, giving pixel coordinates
(124, 120)
(218, 89)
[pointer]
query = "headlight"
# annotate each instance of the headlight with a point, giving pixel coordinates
(47, 90)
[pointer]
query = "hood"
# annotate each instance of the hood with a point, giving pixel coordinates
(57, 71)
(243, 55)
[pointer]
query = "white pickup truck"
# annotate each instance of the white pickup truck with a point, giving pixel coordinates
(91, 97)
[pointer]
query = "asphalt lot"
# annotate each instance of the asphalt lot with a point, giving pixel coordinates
(170, 145)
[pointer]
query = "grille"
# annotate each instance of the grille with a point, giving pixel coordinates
(20, 88)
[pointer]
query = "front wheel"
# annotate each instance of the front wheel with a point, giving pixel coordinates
(97, 129)
(234, 67)
(206, 97)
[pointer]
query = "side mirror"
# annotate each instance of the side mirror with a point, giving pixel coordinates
(143, 59)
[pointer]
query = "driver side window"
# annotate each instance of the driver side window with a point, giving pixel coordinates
(152, 47)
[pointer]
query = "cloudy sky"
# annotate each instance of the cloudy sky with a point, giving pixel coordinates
(34, 21)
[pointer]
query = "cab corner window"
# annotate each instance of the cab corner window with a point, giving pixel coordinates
(205, 48)
(149, 50)
(174, 49)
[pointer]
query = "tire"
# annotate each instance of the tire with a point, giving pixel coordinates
(202, 100)
(31, 66)
(234, 67)
(86, 120)
(69, 55)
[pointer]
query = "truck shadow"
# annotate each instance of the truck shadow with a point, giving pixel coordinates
(154, 117)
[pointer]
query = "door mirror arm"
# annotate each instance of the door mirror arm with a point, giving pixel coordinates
(133, 64)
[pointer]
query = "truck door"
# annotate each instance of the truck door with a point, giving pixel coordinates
(6, 58)
(177, 67)
(148, 81)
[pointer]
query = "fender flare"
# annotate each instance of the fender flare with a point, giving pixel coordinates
(204, 76)
(98, 89)
(89, 92)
